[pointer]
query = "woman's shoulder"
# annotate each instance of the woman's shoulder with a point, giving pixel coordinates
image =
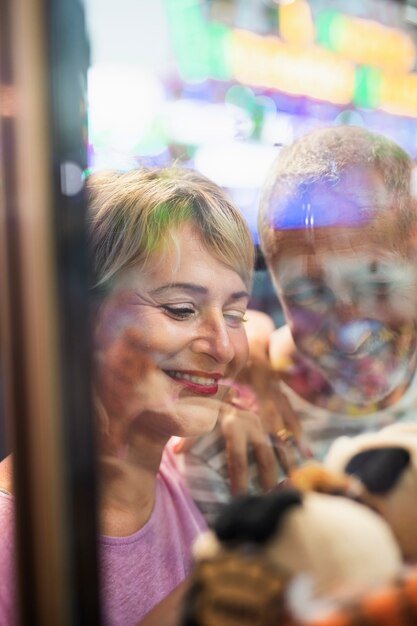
(6, 475)
(7, 507)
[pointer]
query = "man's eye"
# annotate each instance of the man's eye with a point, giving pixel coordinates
(179, 312)
(375, 288)
(311, 297)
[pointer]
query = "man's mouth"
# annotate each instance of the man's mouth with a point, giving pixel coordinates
(197, 382)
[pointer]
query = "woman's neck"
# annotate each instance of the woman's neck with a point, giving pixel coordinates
(128, 488)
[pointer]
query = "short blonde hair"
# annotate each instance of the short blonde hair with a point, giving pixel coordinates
(135, 213)
(322, 158)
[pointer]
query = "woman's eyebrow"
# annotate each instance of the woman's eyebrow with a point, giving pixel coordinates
(184, 286)
(239, 295)
(191, 287)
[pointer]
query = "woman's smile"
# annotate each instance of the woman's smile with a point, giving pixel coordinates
(198, 382)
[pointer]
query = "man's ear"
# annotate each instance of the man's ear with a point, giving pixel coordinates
(254, 519)
(379, 469)
(259, 327)
(282, 350)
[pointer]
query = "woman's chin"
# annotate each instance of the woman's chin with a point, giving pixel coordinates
(196, 415)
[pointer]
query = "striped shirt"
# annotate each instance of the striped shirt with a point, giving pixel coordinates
(204, 468)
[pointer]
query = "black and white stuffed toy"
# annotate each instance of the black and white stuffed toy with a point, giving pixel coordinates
(385, 464)
(261, 544)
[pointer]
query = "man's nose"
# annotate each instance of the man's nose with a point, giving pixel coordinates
(214, 339)
(345, 310)
(351, 336)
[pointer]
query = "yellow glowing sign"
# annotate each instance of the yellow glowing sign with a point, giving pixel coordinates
(399, 94)
(367, 42)
(336, 57)
(296, 23)
(313, 72)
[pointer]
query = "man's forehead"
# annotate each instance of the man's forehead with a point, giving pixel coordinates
(352, 198)
(320, 264)
(349, 249)
(318, 241)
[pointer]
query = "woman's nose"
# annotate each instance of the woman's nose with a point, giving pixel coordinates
(214, 339)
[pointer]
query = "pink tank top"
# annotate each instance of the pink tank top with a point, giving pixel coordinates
(137, 571)
(140, 570)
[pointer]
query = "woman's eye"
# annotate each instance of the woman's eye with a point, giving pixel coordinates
(234, 318)
(179, 312)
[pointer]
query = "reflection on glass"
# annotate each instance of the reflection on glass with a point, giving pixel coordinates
(345, 270)
(337, 227)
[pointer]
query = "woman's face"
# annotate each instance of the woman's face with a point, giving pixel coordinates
(187, 309)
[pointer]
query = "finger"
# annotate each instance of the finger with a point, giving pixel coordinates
(271, 415)
(236, 450)
(289, 416)
(237, 463)
(267, 464)
(276, 407)
(293, 425)
(184, 445)
(304, 448)
(285, 452)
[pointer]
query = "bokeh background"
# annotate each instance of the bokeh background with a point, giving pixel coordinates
(221, 85)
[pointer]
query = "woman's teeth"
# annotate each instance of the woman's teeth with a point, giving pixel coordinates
(198, 380)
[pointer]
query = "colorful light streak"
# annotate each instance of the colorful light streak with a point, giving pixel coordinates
(365, 41)
(312, 71)
(353, 63)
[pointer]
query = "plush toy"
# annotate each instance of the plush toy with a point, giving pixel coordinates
(385, 463)
(262, 543)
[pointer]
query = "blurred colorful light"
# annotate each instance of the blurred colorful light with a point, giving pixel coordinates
(123, 103)
(366, 41)
(296, 23)
(313, 71)
(235, 164)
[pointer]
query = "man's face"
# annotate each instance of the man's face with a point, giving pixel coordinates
(351, 304)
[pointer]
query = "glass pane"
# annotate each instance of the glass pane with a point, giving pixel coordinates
(221, 271)
(47, 486)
